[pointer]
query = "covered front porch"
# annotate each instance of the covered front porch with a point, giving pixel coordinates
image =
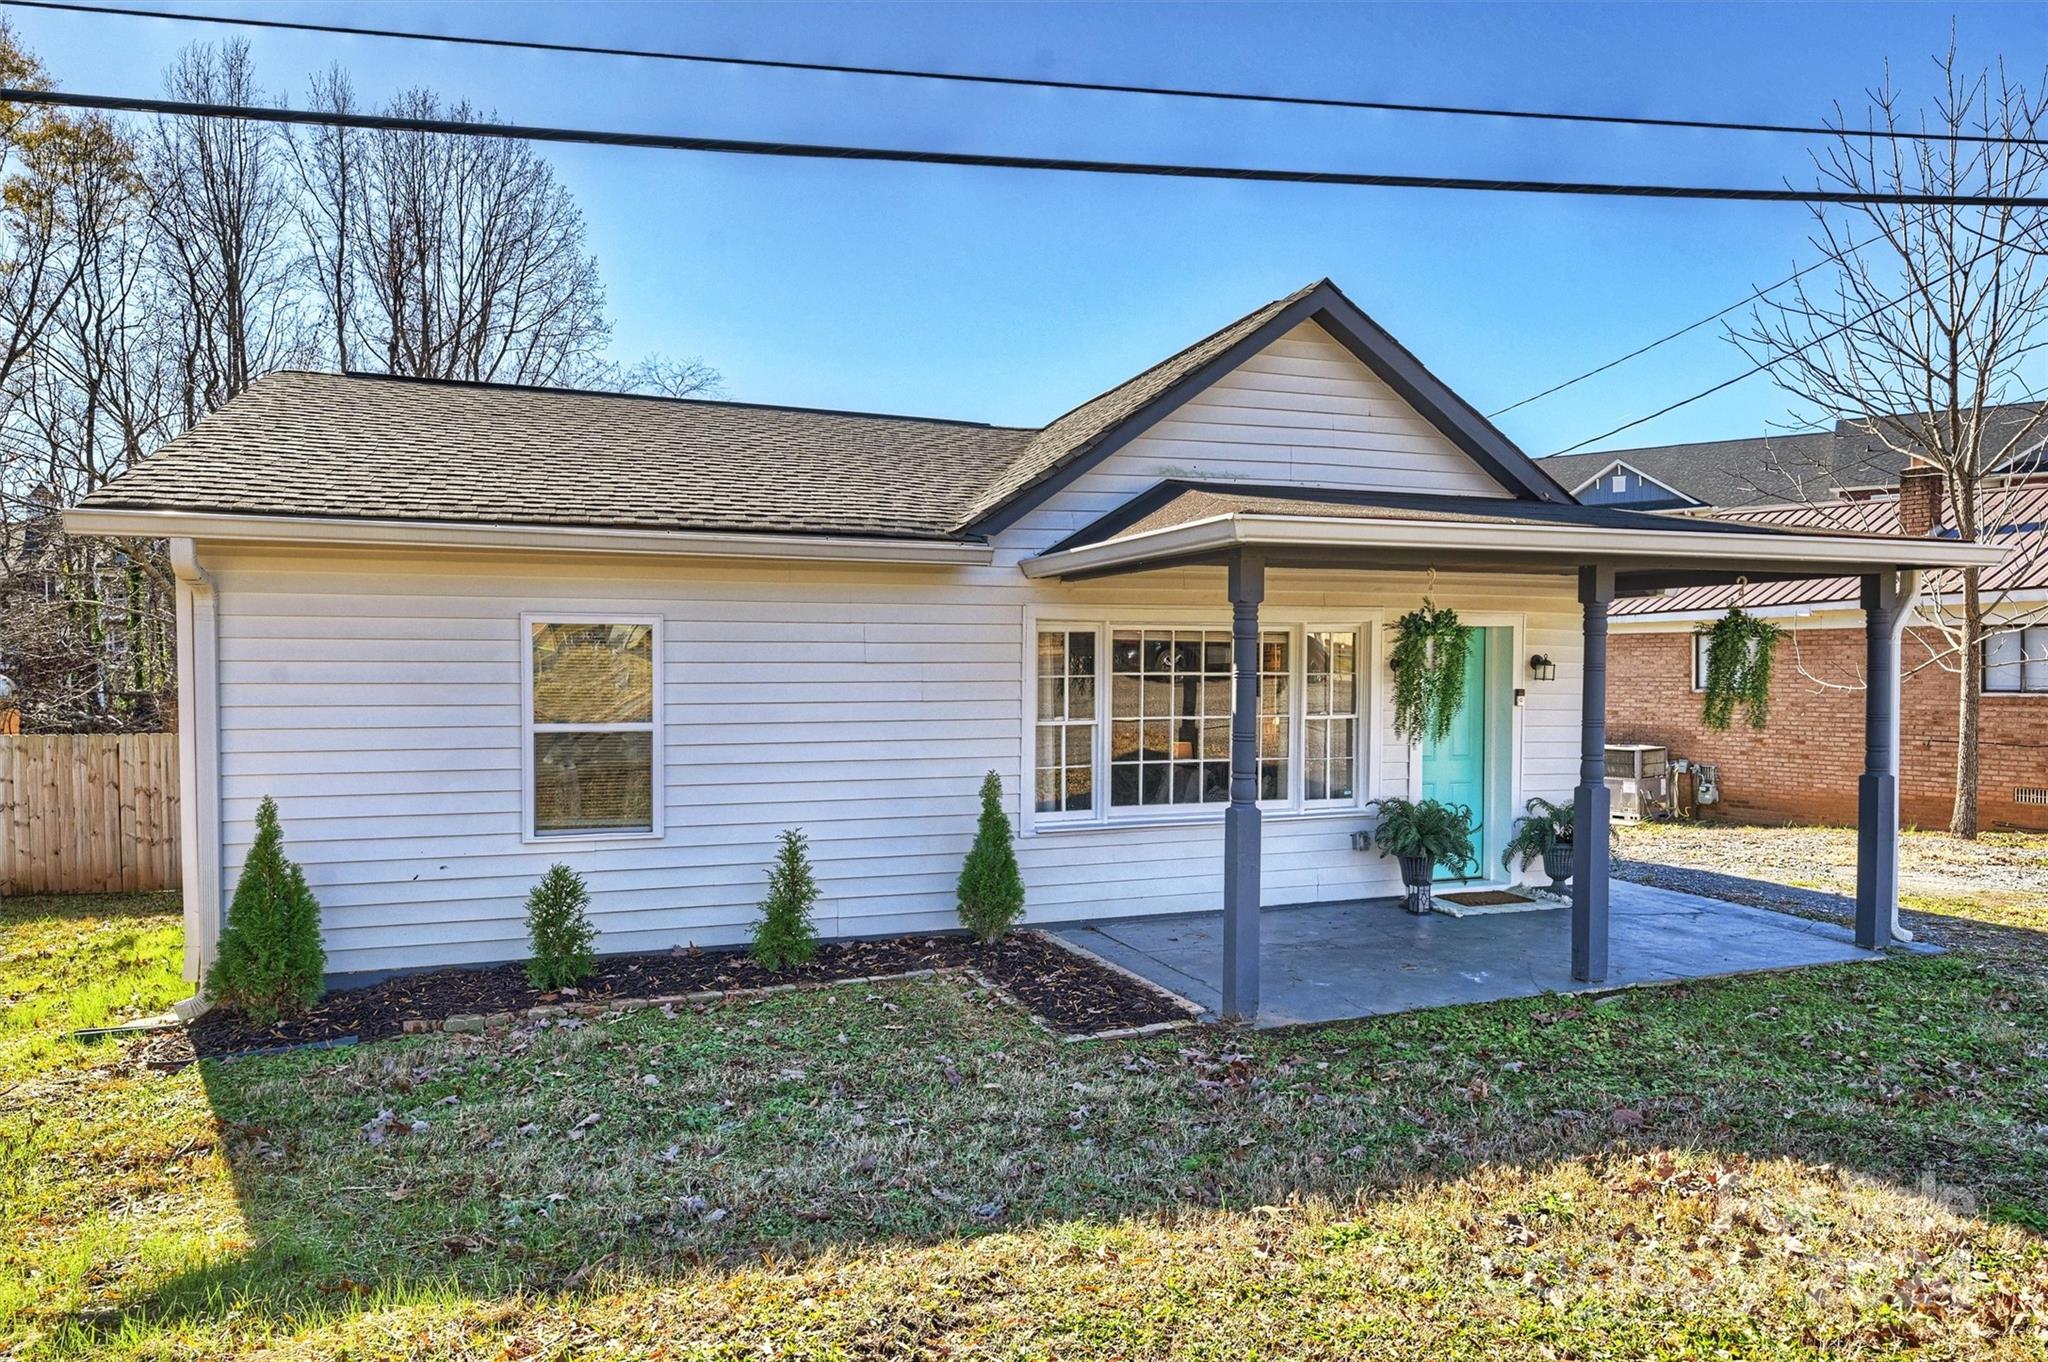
(1609, 934)
(1331, 961)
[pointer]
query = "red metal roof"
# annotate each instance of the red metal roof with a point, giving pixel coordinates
(2019, 511)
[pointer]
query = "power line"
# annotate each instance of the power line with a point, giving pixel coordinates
(1762, 365)
(1028, 82)
(1681, 331)
(986, 160)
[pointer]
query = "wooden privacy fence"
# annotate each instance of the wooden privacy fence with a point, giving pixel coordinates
(85, 813)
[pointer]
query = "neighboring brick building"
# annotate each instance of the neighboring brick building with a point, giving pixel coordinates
(1803, 766)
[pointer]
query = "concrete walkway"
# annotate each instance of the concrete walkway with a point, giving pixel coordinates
(1330, 961)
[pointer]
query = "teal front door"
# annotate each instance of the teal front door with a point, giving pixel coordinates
(1454, 768)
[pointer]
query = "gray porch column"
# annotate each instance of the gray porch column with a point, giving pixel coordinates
(1591, 801)
(1241, 819)
(1877, 791)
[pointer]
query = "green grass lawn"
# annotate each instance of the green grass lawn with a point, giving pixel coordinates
(1841, 1162)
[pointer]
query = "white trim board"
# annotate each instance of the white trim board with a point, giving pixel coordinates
(434, 534)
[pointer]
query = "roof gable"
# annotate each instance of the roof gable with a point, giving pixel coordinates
(1100, 426)
(1623, 465)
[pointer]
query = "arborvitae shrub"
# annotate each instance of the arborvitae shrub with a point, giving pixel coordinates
(558, 926)
(785, 936)
(269, 962)
(991, 886)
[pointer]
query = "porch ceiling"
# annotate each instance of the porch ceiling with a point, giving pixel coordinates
(1180, 524)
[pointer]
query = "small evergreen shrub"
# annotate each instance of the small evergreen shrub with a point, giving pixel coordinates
(269, 962)
(991, 886)
(558, 926)
(784, 936)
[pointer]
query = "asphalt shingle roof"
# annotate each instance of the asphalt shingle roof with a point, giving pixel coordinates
(315, 444)
(1778, 470)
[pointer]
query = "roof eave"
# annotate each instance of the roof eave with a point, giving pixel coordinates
(340, 531)
(1559, 545)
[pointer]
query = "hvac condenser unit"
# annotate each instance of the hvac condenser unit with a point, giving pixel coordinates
(1639, 779)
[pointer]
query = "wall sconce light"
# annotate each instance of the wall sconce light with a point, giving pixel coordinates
(1542, 668)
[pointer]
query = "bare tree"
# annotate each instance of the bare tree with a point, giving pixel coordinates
(446, 256)
(1925, 334)
(88, 623)
(224, 220)
(665, 376)
(329, 201)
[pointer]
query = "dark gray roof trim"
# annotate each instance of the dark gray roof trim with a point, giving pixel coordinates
(1181, 378)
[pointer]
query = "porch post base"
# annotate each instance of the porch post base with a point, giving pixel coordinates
(1877, 859)
(1591, 808)
(1240, 913)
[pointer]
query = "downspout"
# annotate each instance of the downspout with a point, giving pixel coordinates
(198, 764)
(1910, 582)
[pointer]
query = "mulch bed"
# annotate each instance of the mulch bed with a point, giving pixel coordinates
(1069, 992)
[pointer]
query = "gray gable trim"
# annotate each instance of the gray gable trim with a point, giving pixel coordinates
(1325, 304)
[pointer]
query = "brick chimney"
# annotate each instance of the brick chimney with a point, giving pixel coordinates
(1919, 501)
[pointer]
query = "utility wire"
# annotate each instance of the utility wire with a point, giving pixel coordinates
(1681, 331)
(985, 160)
(1762, 365)
(1028, 82)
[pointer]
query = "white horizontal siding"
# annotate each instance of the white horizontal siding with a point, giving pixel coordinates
(375, 696)
(1303, 412)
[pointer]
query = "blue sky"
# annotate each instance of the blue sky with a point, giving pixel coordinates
(1010, 296)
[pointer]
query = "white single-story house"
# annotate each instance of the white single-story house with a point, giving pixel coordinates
(460, 631)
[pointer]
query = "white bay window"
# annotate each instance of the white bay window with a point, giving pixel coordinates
(1150, 735)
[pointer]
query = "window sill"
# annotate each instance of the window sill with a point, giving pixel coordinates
(580, 839)
(1195, 820)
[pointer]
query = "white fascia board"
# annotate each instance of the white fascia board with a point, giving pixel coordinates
(1568, 543)
(441, 534)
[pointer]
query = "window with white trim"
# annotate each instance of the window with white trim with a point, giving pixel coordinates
(1066, 720)
(2016, 662)
(1699, 660)
(1330, 742)
(1154, 735)
(593, 708)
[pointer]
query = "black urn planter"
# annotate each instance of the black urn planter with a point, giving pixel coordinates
(1557, 863)
(1416, 875)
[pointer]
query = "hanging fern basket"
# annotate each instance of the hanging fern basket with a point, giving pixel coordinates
(1740, 648)
(1428, 661)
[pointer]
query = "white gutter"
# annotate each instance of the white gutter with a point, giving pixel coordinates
(198, 762)
(1568, 543)
(275, 529)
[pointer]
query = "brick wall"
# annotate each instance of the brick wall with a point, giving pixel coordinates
(1804, 765)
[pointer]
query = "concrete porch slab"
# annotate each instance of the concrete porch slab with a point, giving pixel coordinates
(1332, 961)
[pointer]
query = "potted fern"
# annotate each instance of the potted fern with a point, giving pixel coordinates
(1422, 836)
(1544, 834)
(1740, 650)
(1428, 662)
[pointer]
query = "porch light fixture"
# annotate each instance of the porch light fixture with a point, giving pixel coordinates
(1542, 668)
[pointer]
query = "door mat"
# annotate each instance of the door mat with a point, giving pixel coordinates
(1486, 902)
